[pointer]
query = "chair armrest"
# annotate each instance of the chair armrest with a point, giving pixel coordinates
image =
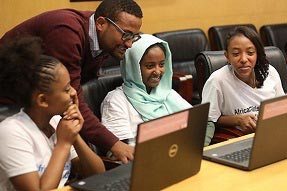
(183, 84)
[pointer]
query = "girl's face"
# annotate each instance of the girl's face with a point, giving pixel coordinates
(242, 55)
(152, 67)
(62, 94)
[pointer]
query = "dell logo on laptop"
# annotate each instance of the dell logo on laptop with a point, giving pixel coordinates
(172, 150)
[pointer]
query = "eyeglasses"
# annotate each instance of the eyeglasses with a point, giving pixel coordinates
(125, 35)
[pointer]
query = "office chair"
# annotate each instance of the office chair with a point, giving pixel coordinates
(95, 91)
(275, 35)
(7, 110)
(217, 35)
(111, 66)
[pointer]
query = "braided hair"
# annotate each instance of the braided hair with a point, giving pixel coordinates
(24, 69)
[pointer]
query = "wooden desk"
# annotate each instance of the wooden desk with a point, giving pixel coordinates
(213, 177)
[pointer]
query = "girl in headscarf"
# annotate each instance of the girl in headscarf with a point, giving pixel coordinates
(146, 92)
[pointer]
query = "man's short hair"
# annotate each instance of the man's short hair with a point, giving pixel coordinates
(111, 9)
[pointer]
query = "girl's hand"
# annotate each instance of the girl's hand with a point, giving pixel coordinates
(71, 123)
(73, 111)
(248, 123)
(67, 131)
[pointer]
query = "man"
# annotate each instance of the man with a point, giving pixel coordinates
(82, 40)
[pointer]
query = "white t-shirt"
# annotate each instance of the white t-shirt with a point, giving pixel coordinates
(24, 148)
(121, 118)
(230, 96)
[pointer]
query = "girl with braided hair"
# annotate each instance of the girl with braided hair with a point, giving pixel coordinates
(41, 144)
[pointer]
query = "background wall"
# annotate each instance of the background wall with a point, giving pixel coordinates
(162, 15)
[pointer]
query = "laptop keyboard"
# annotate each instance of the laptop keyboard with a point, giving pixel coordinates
(122, 184)
(238, 156)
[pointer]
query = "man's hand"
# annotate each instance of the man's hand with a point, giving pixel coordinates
(123, 151)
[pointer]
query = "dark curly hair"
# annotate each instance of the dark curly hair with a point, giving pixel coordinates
(111, 9)
(23, 69)
(261, 68)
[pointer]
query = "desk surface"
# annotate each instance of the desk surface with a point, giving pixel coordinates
(213, 177)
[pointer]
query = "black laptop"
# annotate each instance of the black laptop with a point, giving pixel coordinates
(168, 149)
(268, 145)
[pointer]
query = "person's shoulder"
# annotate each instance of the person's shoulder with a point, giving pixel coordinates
(180, 99)
(68, 13)
(118, 91)
(175, 93)
(115, 95)
(12, 123)
(272, 69)
(273, 73)
(221, 73)
(65, 16)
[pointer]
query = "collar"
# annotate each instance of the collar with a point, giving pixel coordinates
(94, 43)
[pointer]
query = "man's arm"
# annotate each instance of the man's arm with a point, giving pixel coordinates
(93, 130)
(66, 45)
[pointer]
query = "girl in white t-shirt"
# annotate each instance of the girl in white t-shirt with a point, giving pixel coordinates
(236, 90)
(38, 147)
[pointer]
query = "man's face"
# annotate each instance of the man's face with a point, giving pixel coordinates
(110, 33)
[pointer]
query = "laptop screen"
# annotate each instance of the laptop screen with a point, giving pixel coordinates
(156, 128)
(274, 109)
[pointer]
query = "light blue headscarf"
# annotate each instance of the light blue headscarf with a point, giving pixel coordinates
(161, 100)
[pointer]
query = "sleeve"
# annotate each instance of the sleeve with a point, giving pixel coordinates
(65, 44)
(115, 114)
(73, 153)
(209, 133)
(17, 156)
(213, 94)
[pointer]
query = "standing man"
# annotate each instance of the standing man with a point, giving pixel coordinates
(82, 40)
